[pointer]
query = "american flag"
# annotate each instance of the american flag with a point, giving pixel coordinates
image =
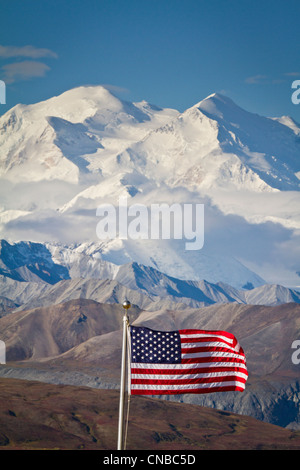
(185, 361)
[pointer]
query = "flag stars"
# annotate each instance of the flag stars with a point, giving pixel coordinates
(150, 346)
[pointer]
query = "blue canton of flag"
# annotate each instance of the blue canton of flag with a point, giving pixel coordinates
(149, 346)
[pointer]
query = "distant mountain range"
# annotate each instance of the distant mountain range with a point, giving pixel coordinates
(32, 277)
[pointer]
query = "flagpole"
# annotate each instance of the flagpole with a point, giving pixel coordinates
(126, 306)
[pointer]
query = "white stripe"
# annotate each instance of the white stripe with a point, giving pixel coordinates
(141, 365)
(187, 386)
(187, 376)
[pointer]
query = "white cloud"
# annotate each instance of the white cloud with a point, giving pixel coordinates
(25, 51)
(265, 80)
(256, 79)
(24, 71)
(292, 74)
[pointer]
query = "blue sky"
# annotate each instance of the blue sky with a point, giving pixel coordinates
(171, 53)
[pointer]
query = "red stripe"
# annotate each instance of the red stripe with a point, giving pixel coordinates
(196, 360)
(231, 388)
(197, 370)
(203, 380)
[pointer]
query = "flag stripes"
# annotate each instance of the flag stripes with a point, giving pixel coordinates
(197, 361)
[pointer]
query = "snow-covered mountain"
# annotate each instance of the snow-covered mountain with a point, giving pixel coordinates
(61, 138)
(87, 129)
(51, 263)
(61, 158)
(35, 275)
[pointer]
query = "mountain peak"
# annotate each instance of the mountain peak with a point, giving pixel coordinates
(97, 93)
(77, 104)
(218, 96)
(217, 105)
